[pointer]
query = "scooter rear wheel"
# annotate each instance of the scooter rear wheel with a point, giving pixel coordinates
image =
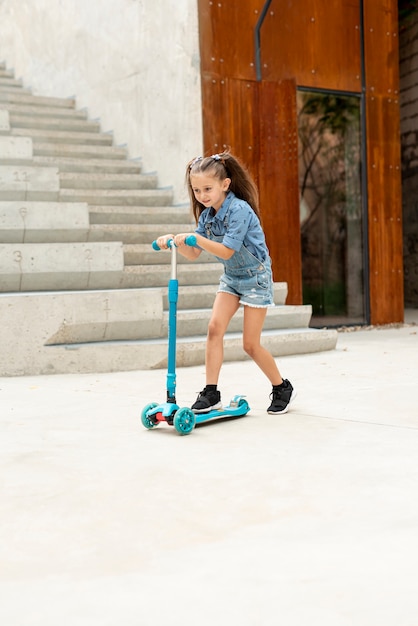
(184, 421)
(242, 403)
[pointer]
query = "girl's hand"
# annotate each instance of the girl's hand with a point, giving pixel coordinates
(162, 242)
(180, 239)
(189, 252)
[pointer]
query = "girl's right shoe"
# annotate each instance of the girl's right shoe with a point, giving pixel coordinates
(207, 400)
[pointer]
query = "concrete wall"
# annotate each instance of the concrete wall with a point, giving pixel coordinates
(409, 144)
(133, 63)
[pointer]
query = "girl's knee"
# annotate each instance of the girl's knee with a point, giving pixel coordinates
(215, 329)
(251, 348)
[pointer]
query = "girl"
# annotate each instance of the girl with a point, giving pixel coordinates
(224, 201)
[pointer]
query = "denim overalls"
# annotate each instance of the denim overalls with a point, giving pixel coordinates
(244, 275)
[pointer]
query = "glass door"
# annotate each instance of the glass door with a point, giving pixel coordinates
(331, 215)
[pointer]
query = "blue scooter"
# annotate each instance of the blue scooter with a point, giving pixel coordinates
(183, 419)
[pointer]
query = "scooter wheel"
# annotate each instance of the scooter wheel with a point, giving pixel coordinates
(244, 404)
(147, 420)
(184, 421)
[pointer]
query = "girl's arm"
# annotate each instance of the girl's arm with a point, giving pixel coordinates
(213, 247)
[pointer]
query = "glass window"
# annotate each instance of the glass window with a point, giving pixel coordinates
(331, 207)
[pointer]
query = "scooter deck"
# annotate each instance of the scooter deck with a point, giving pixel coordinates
(184, 419)
(238, 407)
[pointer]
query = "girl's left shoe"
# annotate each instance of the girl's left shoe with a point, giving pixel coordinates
(281, 397)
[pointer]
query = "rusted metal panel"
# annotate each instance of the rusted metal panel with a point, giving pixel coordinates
(215, 113)
(316, 43)
(278, 183)
(383, 162)
(230, 119)
(227, 36)
(385, 212)
(381, 47)
(258, 122)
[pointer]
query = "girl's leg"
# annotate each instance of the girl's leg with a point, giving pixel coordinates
(224, 307)
(253, 324)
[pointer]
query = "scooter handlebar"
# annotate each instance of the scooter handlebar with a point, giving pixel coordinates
(189, 241)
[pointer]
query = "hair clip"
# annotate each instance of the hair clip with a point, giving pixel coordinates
(196, 160)
(215, 157)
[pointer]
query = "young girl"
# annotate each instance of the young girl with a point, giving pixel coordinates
(225, 206)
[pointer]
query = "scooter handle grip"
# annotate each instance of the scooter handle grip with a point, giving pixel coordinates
(189, 241)
(157, 247)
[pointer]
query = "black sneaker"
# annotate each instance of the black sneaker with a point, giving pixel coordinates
(207, 400)
(281, 398)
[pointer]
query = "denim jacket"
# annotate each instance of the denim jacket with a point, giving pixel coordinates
(236, 224)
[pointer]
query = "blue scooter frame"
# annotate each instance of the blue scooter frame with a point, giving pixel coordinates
(183, 419)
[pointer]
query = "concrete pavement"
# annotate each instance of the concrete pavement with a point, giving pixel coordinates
(308, 518)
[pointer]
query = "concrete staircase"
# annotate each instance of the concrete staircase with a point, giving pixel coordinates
(81, 289)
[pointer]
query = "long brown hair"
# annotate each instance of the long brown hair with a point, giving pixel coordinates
(221, 166)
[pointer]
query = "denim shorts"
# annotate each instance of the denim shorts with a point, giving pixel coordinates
(254, 289)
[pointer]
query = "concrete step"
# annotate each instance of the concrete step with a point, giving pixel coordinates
(140, 214)
(17, 97)
(73, 124)
(43, 222)
(24, 182)
(90, 165)
(282, 342)
(83, 180)
(60, 266)
(5, 73)
(132, 233)
(89, 332)
(4, 122)
(44, 112)
(135, 276)
(15, 150)
(37, 321)
(202, 296)
(9, 86)
(63, 137)
(195, 321)
(152, 353)
(109, 315)
(143, 254)
(83, 327)
(78, 151)
(149, 197)
(10, 81)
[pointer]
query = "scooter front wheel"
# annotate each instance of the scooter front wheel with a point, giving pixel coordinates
(184, 421)
(146, 419)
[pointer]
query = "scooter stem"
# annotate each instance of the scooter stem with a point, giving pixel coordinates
(173, 249)
(172, 327)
